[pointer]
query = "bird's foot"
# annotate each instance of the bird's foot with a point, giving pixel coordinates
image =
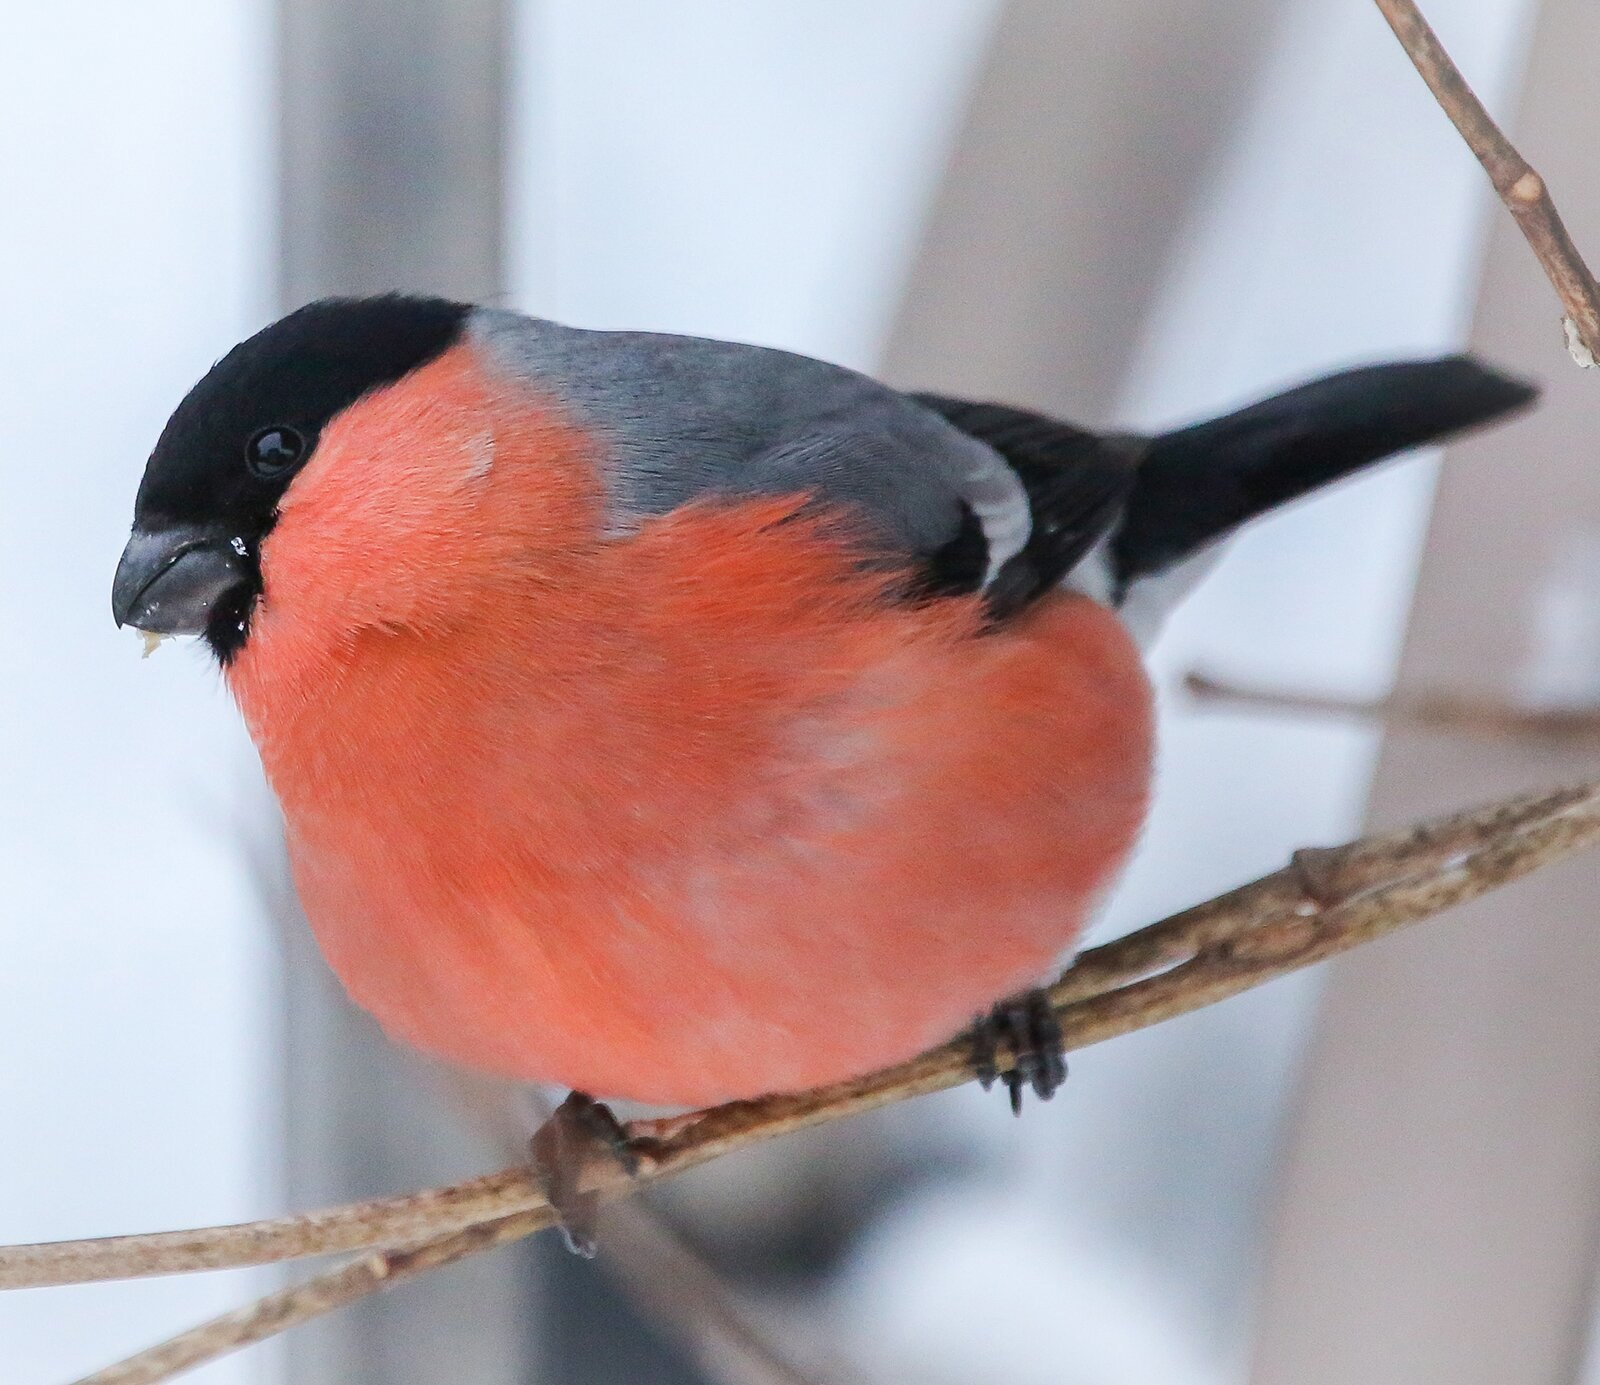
(580, 1133)
(1026, 1025)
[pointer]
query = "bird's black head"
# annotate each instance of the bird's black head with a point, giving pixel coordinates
(211, 488)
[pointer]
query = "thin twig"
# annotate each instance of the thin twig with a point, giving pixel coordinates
(1450, 712)
(357, 1226)
(285, 1309)
(1324, 902)
(1521, 188)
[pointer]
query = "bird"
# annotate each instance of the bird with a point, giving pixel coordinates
(682, 720)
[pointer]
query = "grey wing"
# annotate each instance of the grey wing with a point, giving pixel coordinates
(937, 499)
(1074, 486)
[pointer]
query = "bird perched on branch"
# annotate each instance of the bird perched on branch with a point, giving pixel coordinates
(683, 720)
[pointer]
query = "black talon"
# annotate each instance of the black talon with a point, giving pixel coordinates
(983, 1051)
(1027, 1026)
(562, 1148)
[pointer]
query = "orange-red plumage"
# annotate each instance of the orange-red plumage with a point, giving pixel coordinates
(682, 815)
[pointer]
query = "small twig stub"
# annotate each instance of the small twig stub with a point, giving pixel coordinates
(1518, 184)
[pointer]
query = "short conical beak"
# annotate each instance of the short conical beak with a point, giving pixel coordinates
(171, 580)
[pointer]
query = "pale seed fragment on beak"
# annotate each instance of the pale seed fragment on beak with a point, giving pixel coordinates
(152, 642)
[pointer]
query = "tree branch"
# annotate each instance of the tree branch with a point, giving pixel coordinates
(357, 1226)
(280, 1311)
(1521, 188)
(1449, 712)
(1324, 902)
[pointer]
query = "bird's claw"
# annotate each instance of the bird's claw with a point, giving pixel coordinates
(1027, 1027)
(580, 1132)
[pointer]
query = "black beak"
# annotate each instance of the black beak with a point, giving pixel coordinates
(171, 581)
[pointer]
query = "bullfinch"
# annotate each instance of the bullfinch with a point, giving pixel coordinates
(681, 720)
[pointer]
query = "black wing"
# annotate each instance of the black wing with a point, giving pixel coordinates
(1077, 483)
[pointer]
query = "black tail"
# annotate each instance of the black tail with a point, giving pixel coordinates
(1196, 484)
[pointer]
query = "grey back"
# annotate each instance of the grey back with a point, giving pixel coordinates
(684, 418)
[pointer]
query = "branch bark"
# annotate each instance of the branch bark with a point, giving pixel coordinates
(280, 1311)
(1324, 902)
(1520, 187)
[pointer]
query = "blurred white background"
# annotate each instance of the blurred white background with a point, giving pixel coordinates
(138, 1029)
(760, 172)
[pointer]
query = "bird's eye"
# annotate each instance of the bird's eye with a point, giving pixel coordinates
(272, 451)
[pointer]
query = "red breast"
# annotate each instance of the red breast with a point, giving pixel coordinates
(683, 815)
